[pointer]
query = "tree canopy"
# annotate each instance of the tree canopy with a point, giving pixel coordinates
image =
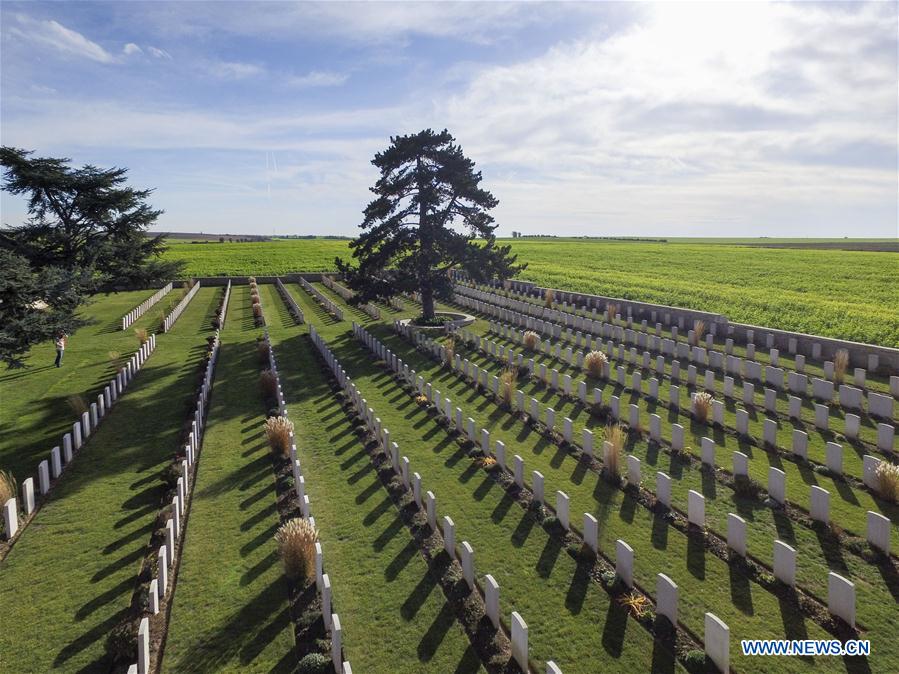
(86, 228)
(430, 215)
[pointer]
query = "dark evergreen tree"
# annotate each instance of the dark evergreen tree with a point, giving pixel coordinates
(35, 305)
(84, 220)
(430, 215)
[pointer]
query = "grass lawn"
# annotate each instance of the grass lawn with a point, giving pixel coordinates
(393, 614)
(70, 578)
(876, 586)
(36, 413)
(569, 617)
(230, 610)
(751, 612)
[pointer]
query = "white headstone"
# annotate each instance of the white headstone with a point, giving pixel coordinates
(663, 488)
(520, 641)
(736, 534)
(696, 508)
(449, 536)
(820, 508)
(591, 532)
(717, 642)
(666, 598)
(624, 562)
(777, 484)
(143, 647)
(491, 599)
(784, 563)
(841, 597)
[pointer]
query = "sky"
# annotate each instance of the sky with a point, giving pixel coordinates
(595, 119)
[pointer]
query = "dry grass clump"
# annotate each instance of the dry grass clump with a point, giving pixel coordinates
(8, 486)
(615, 436)
(507, 381)
(698, 332)
(548, 298)
(142, 335)
(531, 340)
(840, 365)
(702, 404)
(116, 360)
(450, 348)
(595, 363)
(268, 383)
(296, 546)
(257, 310)
(612, 310)
(887, 475)
(78, 404)
(252, 280)
(277, 432)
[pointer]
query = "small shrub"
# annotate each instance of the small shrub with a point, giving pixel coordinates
(142, 335)
(887, 475)
(840, 365)
(78, 404)
(595, 363)
(531, 340)
(8, 486)
(170, 474)
(262, 350)
(702, 404)
(615, 436)
(548, 298)
(121, 642)
(115, 359)
(216, 323)
(268, 382)
(296, 545)
(450, 348)
(507, 381)
(277, 432)
(698, 332)
(746, 487)
(314, 663)
(695, 660)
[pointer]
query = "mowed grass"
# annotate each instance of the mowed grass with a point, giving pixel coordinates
(834, 293)
(230, 611)
(877, 586)
(393, 614)
(36, 413)
(571, 619)
(70, 577)
(706, 582)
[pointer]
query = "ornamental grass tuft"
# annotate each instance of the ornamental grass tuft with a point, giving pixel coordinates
(296, 546)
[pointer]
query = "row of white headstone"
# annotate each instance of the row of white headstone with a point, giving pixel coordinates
(291, 303)
(174, 526)
(50, 469)
(717, 633)
(885, 432)
(877, 528)
(851, 398)
(792, 342)
(180, 307)
(331, 284)
(141, 308)
(328, 305)
(465, 554)
(225, 298)
(841, 595)
(322, 579)
(879, 405)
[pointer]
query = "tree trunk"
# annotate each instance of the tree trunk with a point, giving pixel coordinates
(427, 300)
(425, 253)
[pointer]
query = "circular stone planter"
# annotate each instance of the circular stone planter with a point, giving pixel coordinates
(453, 319)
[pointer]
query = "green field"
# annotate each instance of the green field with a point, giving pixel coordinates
(834, 293)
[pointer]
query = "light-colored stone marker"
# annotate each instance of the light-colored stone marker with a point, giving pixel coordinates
(624, 562)
(717, 642)
(666, 598)
(841, 597)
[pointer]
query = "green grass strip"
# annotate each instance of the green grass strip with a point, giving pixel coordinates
(230, 609)
(393, 614)
(70, 578)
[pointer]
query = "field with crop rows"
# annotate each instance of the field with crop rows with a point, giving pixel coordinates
(845, 294)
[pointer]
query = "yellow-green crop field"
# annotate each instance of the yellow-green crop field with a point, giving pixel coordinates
(835, 293)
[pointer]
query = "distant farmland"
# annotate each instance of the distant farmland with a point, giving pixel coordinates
(837, 293)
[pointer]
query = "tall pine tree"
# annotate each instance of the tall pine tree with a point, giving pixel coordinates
(430, 215)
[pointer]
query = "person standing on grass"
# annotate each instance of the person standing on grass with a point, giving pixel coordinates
(60, 348)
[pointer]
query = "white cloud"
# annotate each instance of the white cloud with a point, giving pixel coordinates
(316, 78)
(58, 37)
(233, 70)
(155, 52)
(131, 48)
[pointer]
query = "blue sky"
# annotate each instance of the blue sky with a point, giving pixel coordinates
(671, 119)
